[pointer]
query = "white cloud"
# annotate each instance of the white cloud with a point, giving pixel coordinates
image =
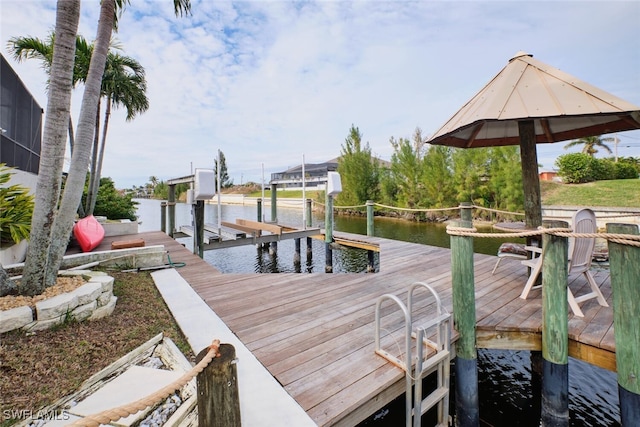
(268, 81)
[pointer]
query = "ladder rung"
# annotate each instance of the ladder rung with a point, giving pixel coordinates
(433, 399)
(431, 362)
(391, 358)
(435, 321)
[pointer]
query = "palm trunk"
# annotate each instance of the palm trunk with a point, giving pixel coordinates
(94, 162)
(71, 136)
(53, 147)
(74, 187)
(98, 171)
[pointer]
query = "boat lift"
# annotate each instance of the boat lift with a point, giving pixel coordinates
(435, 359)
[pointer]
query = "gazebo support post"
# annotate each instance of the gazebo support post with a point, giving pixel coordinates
(530, 178)
(464, 319)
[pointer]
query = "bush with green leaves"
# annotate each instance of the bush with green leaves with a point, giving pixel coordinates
(112, 204)
(16, 209)
(626, 170)
(603, 169)
(575, 168)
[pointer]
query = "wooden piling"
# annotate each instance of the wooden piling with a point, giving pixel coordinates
(370, 255)
(369, 217)
(296, 254)
(274, 202)
(198, 225)
(218, 397)
(624, 264)
(328, 233)
(171, 196)
(555, 328)
(259, 210)
(464, 319)
(273, 246)
(309, 224)
(163, 217)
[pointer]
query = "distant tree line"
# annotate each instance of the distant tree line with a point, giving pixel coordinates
(424, 176)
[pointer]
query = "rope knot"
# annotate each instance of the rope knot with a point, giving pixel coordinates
(215, 347)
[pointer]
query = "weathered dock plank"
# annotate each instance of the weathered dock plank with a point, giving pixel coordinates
(314, 332)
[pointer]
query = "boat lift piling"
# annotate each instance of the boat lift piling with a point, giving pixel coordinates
(273, 248)
(328, 233)
(309, 225)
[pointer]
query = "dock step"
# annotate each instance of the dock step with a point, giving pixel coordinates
(433, 355)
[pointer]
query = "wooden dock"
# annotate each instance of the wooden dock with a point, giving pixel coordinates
(315, 334)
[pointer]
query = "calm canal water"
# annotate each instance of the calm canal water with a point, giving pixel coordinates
(509, 394)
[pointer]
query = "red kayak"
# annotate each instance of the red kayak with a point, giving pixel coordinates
(88, 232)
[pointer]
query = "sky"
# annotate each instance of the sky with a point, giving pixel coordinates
(269, 83)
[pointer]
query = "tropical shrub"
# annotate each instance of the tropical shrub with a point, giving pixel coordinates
(16, 209)
(603, 169)
(112, 204)
(626, 170)
(575, 168)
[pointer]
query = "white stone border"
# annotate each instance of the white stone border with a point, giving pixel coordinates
(93, 300)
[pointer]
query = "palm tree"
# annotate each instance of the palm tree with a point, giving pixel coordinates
(590, 143)
(123, 84)
(24, 48)
(51, 229)
(52, 152)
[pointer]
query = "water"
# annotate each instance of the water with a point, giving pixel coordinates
(247, 259)
(509, 392)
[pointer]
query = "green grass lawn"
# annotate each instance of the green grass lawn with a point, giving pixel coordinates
(616, 193)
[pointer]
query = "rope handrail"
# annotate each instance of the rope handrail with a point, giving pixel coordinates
(624, 239)
(115, 414)
(350, 207)
(482, 208)
(417, 209)
(453, 208)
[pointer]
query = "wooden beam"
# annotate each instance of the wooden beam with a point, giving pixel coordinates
(547, 130)
(242, 228)
(512, 340)
(272, 228)
(474, 134)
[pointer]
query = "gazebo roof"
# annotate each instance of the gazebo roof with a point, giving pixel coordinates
(561, 106)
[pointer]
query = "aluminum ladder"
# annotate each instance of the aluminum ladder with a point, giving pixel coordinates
(436, 360)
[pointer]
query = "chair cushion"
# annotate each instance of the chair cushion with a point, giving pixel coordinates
(512, 248)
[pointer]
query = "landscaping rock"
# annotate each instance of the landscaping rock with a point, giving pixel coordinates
(83, 312)
(87, 293)
(15, 318)
(104, 310)
(56, 307)
(105, 281)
